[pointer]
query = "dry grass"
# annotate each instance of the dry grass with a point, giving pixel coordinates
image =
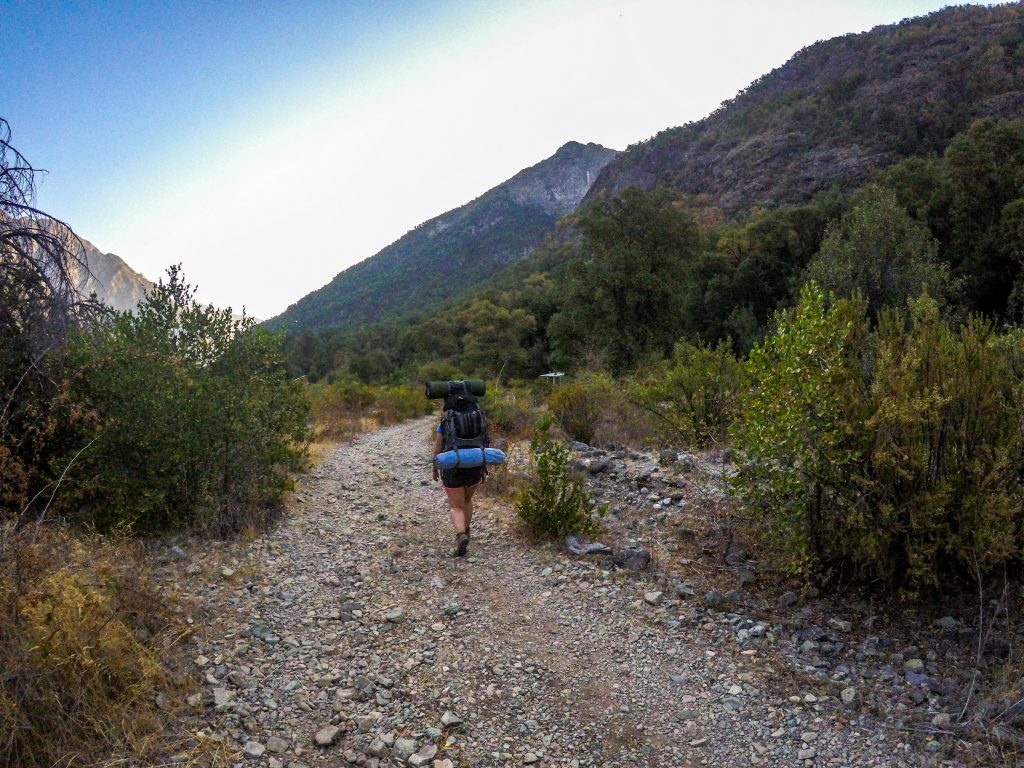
(87, 644)
(504, 481)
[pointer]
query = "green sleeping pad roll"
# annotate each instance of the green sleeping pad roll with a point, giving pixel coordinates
(438, 389)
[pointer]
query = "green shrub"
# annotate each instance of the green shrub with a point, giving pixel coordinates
(892, 456)
(197, 422)
(694, 395)
(398, 403)
(510, 413)
(802, 427)
(947, 454)
(578, 405)
(555, 503)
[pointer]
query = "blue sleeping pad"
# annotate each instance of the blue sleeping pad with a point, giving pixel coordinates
(468, 458)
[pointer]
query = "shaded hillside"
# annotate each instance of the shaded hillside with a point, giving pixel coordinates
(115, 283)
(838, 110)
(447, 255)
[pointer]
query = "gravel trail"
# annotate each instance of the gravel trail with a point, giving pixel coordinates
(349, 635)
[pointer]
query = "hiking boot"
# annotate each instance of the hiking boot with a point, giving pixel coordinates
(461, 544)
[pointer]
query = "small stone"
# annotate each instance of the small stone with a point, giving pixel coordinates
(788, 599)
(840, 625)
(808, 736)
(529, 758)
(685, 591)
(365, 722)
(405, 748)
(449, 719)
(226, 572)
(424, 756)
(653, 598)
(446, 763)
(806, 754)
(178, 552)
(254, 750)
(395, 615)
(277, 744)
(947, 623)
(732, 704)
(913, 665)
(942, 719)
(327, 735)
(713, 599)
(849, 696)
(195, 700)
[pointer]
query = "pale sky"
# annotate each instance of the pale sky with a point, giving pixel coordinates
(268, 146)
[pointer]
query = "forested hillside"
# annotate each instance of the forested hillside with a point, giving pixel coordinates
(839, 110)
(456, 251)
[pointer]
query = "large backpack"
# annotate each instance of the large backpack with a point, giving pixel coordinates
(465, 425)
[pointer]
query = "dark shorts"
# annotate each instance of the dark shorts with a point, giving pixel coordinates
(462, 478)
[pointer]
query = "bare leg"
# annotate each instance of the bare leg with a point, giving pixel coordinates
(457, 504)
(467, 507)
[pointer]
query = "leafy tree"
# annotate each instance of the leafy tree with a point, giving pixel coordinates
(877, 251)
(963, 197)
(40, 258)
(492, 339)
(985, 170)
(623, 296)
(197, 421)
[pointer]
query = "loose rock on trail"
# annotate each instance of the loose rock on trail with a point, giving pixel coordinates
(350, 636)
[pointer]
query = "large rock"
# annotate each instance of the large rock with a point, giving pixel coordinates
(632, 558)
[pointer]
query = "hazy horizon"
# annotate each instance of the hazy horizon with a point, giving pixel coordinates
(267, 150)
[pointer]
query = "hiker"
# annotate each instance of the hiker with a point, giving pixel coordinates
(463, 417)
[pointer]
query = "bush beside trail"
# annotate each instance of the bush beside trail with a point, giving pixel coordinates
(892, 456)
(195, 422)
(555, 502)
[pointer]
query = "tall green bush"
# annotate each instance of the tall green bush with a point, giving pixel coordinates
(555, 502)
(578, 405)
(197, 421)
(878, 251)
(801, 430)
(892, 456)
(694, 395)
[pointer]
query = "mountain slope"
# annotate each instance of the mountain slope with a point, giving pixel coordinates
(455, 251)
(115, 283)
(838, 110)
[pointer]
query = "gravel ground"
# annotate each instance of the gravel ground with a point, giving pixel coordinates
(349, 635)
